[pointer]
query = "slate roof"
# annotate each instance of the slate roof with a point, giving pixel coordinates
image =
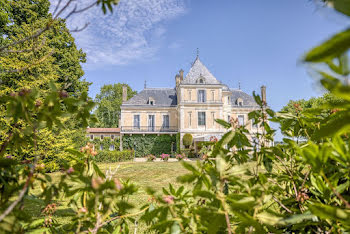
(161, 97)
(247, 99)
(199, 70)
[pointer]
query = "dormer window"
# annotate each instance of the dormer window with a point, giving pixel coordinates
(239, 102)
(151, 101)
(201, 80)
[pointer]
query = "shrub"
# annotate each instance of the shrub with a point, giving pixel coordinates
(189, 153)
(114, 156)
(150, 158)
(149, 144)
(187, 140)
(180, 157)
(165, 157)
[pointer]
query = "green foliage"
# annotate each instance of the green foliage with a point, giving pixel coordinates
(106, 142)
(108, 104)
(178, 142)
(187, 140)
(254, 187)
(108, 156)
(149, 144)
(52, 57)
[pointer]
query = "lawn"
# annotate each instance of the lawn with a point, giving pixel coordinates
(144, 174)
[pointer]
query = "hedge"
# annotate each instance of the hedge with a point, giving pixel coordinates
(149, 144)
(114, 156)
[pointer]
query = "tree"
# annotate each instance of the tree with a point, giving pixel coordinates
(187, 140)
(297, 111)
(51, 57)
(108, 102)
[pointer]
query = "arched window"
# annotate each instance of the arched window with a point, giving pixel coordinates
(201, 80)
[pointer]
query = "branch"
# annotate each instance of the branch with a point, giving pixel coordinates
(21, 194)
(27, 50)
(290, 174)
(121, 217)
(50, 24)
(281, 204)
(31, 65)
(335, 191)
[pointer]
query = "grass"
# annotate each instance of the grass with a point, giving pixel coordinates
(144, 174)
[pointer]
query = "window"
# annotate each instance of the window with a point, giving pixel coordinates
(213, 116)
(151, 123)
(112, 137)
(91, 137)
(228, 100)
(151, 101)
(190, 118)
(241, 120)
(136, 121)
(213, 95)
(190, 95)
(201, 81)
(239, 102)
(201, 118)
(165, 121)
(101, 137)
(111, 147)
(201, 96)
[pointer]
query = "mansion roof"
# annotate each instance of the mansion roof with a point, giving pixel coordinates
(197, 71)
(197, 75)
(162, 97)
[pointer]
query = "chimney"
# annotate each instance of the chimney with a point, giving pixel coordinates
(181, 72)
(263, 94)
(125, 93)
(177, 79)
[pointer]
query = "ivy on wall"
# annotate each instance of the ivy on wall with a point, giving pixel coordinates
(106, 142)
(178, 139)
(149, 144)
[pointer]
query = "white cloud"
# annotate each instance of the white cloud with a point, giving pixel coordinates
(131, 33)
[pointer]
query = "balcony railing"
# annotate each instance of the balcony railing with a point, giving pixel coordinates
(148, 129)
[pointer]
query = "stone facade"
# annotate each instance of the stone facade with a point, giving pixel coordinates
(191, 107)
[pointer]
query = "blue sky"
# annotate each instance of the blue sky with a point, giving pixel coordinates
(253, 42)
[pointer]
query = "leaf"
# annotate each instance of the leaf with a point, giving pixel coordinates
(268, 218)
(330, 212)
(337, 124)
(342, 6)
(299, 218)
(98, 171)
(331, 48)
(175, 228)
(223, 123)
